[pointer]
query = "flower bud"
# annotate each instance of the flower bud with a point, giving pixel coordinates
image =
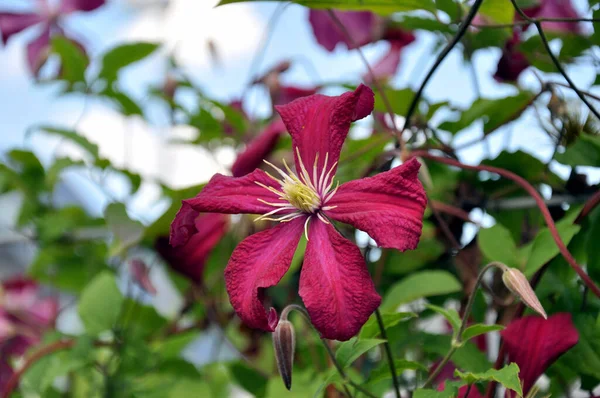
(284, 342)
(518, 284)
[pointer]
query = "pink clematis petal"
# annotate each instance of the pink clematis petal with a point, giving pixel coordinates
(68, 6)
(141, 275)
(387, 66)
(335, 284)
(258, 149)
(319, 124)
(534, 344)
(389, 206)
(37, 51)
(235, 195)
(189, 259)
(363, 26)
(6, 371)
(512, 62)
(556, 9)
(257, 263)
(21, 299)
(11, 23)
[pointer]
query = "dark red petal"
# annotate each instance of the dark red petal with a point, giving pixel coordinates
(389, 206)
(257, 263)
(6, 371)
(512, 62)
(335, 284)
(258, 149)
(68, 6)
(190, 258)
(37, 51)
(183, 226)
(320, 124)
(11, 23)
(534, 344)
(286, 94)
(363, 26)
(235, 195)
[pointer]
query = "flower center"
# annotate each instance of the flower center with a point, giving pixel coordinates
(300, 194)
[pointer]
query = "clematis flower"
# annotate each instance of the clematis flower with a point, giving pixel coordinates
(364, 27)
(48, 16)
(555, 9)
(198, 234)
(24, 316)
(512, 62)
(335, 284)
(534, 344)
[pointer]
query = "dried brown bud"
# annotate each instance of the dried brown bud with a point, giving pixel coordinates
(518, 284)
(284, 342)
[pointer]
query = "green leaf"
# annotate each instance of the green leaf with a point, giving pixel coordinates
(591, 245)
(350, 350)
(499, 11)
(584, 152)
(508, 376)
(379, 6)
(72, 136)
(249, 379)
(60, 164)
(584, 358)
(126, 232)
(382, 372)
(479, 329)
(451, 316)
(390, 319)
(123, 102)
(73, 60)
(428, 393)
(494, 112)
(428, 250)
(100, 304)
(122, 56)
(497, 244)
(544, 247)
(419, 285)
(399, 100)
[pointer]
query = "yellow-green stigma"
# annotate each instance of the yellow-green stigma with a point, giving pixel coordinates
(307, 194)
(301, 196)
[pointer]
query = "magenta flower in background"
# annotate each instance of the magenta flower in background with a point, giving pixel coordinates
(48, 16)
(24, 316)
(364, 27)
(555, 9)
(512, 62)
(535, 343)
(280, 93)
(335, 284)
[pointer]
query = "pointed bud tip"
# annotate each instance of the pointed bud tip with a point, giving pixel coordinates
(284, 342)
(518, 284)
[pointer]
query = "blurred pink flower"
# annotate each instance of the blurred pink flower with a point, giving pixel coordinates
(24, 317)
(555, 9)
(512, 62)
(48, 16)
(364, 28)
(334, 283)
(282, 94)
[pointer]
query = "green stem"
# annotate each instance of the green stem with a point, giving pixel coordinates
(330, 352)
(388, 352)
(457, 342)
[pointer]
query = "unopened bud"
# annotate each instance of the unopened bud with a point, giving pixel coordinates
(518, 284)
(284, 342)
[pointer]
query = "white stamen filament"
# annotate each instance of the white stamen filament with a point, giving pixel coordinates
(299, 193)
